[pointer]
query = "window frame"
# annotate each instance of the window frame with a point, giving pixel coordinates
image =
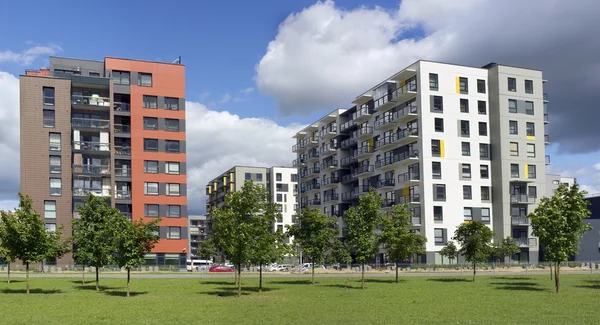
(486, 197)
(51, 97)
(55, 170)
(465, 170)
(171, 103)
(435, 175)
(141, 82)
(486, 219)
(438, 215)
(530, 89)
(170, 192)
(531, 154)
(171, 215)
(172, 129)
(465, 128)
(530, 129)
(169, 143)
(434, 81)
(513, 127)
(51, 118)
(484, 171)
(436, 107)
(529, 108)
(278, 177)
(50, 143)
(514, 84)
(481, 86)
(467, 192)
(467, 211)
(49, 211)
(438, 233)
(481, 107)
(168, 165)
(57, 189)
(148, 148)
(169, 232)
(147, 209)
(148, 170)
(518, 171)
(438, 152)
(484, 151)
(463, 85)
(437, 192)
(463, 105)
(435, 126)
(531, 171)
(147, 187)
(120, 74)
(513, 149)
(515, 109)
(462, 148)
(145, 101)
(150, 126)
(485, 131)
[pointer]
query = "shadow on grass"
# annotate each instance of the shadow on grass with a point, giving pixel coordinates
(590, 284)
(124, 293)
(516, 284)
(222, 283)
(92, 287)
(518, 288)
(12, 281)
(355, 285)
(302, 282)
(384, 280)
(517, 278)
(450, 280)
(232, 291)
(32, 291)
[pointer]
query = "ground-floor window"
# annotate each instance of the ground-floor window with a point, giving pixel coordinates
(165, 259)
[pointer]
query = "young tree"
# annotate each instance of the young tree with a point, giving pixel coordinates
(400, 242)
(558, 223)
(4, 252)
(207, 249)
(506, 248)
(314, 233)
(338, 253)
(449, 251)
(233, 225)
(26, 236)
(95, 233)
(132, 242)
(362, 223)
(474, 239)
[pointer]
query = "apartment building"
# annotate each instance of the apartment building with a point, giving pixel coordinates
(113, 128)
(553, 181)
(438, 137)
(198, 231)
(280, 181)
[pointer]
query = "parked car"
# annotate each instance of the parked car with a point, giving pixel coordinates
(221, 268)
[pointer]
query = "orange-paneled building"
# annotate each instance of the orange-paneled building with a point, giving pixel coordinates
(122, 127)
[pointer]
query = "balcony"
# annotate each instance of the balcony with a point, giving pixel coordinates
(546, 119)
(84, 191)
(386, 142)
(299, 146)
(331, 197)
(409, 199)
(386, 183)
(313, 155)
(546, 139)
(315, 170)
(363, 133)
(314, 202)
(405, 92)
(91, 169)
(328, 132)
(522, 198)
(406, 113)
(303, 173)
(327, 149)
(519, 221)
(416, 220)
(406, 135)
(385, 121)
(124, 171)
(547, 160)
(313, 187)
(526, 242)
(348, 143)
(388, 203)
(94, 101)
(123, 150)
(127, 215)
(123, 194)
(362, 114)
(408, 179)
(363, 170)
(350, 196)
(364, 151)
(329, 164)
(90, 123)
(330, 181)
(545, 97)
(347, 161)
(122, 107)
(347, 178)
(298, 162)
(121, 128)
(383, 103)
(90, 146)
(347, 126)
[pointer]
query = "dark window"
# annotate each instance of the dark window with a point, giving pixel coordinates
(172, 103)
(512, 84)
(438, 234)
(120, 77)
(174, 211)
(247, 176)
(484, 150)
(171, 146)
(529, 108)
(514, 170)
(481, 86)
(145, 79)
(485, 215)
(512, 106)
(481, 109)
(466, 149)
(532, 191)
(483, 129)
(439, 124)
(433, 81)
(467, 192)
(436, 169)
(438, 103)
(530, 127)
(49, 121)
(435, 148)
(150, 123)
(440, 191)
(531, 171)
(151, 210)
(464, 105)
(278, 177)
(279, 197)
(464, 128)
(150, 101)
(150, 145)
(464, 85)
(48, 93)
(438, 213)
(529, 86)
(259, 177)
(151, 166)
(171, 124)
(466, 170)
(485, 193)
(484, 171)
(513, 127)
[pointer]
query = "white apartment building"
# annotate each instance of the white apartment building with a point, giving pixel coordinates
(553, 181)
(438, 137)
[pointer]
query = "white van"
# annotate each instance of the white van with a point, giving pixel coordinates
(198, 265)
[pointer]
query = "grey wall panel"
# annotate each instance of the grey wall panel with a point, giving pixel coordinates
(133, 75)
(182, 104)
(162, 189)
(161, 102)
(162, 231)
(121, 89)
(162, 210)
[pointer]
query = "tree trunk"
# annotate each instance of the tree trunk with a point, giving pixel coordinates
(396, 272)
(363, 275)
(27, 277)
(83, 275)
(557, 276)
(550, 271)
(313, 273)
(8, 272)
(474, 270)
(239, 276)
(260, 278)
(128, 282)
(97, 281)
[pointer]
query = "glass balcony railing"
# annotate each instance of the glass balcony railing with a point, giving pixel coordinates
(123, 150)
(90, 123)
(519, 220)
(91, 146)
(91, 169)
(122, 107)
(123, 171)
(386, 183)
(122, 128)
(123, 194)
(84, 191)
(93, 100)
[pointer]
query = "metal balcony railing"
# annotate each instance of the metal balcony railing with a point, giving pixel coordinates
(90, 123)
(93, 100)
(91, 146)
(92, 169)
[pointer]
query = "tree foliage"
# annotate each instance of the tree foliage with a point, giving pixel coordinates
(338, 253)
(474, 239)
(558, 222)
(362, 222)
(450, 251)
(506, 248)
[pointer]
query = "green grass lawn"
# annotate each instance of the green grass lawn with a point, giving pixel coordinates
(415, 300)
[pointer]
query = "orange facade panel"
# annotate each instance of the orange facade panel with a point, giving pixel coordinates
(167, 79)
(171, 246)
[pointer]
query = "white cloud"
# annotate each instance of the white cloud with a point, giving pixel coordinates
(247, 91)
(29, 55)
(9, 139)
(225, 99)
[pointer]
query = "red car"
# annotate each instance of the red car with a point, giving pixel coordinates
(221, 268)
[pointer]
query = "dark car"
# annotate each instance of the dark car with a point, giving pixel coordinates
(221, 268)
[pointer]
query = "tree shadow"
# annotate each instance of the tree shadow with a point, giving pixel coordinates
(223, 283)
(343, 286)
(524, 284)
(92, 287)
(517, 278)
(232, 291)
(450, 280)
(12, 281)
(518, 288)
(591, 284)
(304, 282)
(124, 293)
(32, 291)
(385, 280)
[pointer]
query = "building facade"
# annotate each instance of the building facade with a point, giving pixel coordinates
(553, 181)
(280, 181)
(198, 231)
(112, 128)
(438, 137)
(589, 249)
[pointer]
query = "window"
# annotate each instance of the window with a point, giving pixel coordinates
(481, 109)
(145, 79)
(278, 177)
(485, 193)
(438, 103)
(173, 189)
(150, 145)
(279, 197)
(436, 169)
(50, 209)
(531, 150)
(438, 234)
(529, 108)
(464, 105)
(512, 84)
(514, 149)
(464, 85)
(529, 86)
(485, 215)
(531, 171)
(171, 146)
(174, 211)
(468, 214)
(172, 168)
(555, 182)
(151, 210)
(433, 81)
(150, 188)
(172, 103)
(532, 191)
(259, 177)
(514, 170)
(55, 141)
(120, 77)
(512, 106)
(151, 166)
(150, 123)
(484, 171)
(55, 165)
(464, 128)
(513, 127)
(530, 128)
(150, 101)
(51, 226)
(467, 192)
(247, 176)
(174, 233)
(55, 186)
(48, 93)
(171, 124)
(440, 191)
(439, 124)
(466, 149)
(435, 148)
(483, 129)
(484, 151)
(438, 213)
(466, 170)
(48, 118)
(481, 86)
